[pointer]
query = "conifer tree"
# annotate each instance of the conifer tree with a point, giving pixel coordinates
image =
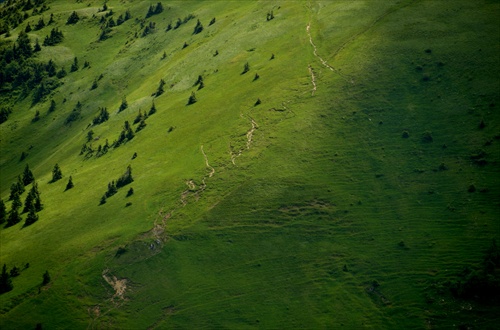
(36, 197)
(130, 192)
(5, 281)
(51, 20)
(37, 47)
(32, 216)
(56, 173)
(198, 28)
(246, 68)
(103, 200)
(40, 24)
(139, 117)
(74, 66)
(160, 89)
(152, 110)
(192, 99)
(28, 202)
(73, 18)
(124, 105)
(3, 212)
(13, 218)
(46, 278)
(212, 21)
(70, 183)
(126, 178)
(16, 201)
(28, 176)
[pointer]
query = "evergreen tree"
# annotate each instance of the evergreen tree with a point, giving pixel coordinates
(126, 178)
(124, 105)
(28, 28)
(23, 45)
(51, 20)
(74, 66)
(139, 117)
(40, 24)
(70, 183)
(103, 200)
(160, 89)
(61, 73)
(5, 281)
(159, 8)
(130, 192)
(52, 105)
(178, 24)
(51, 68)
(128, 15)
(56, 173)
(28, 176)
(111, 189)
(36, 197)
(198, 81)
(73, 18)
(212, 21)
(152, 110)
(141, 125)
(32, 216)
(246, 68)
(37, 47)
(94, 85)
(16, 202)
(150, 12)
(192, 99)
(46, 278)
(13, 218)
(198, 28)
(28, 202)
(37, 117)
(3, 212)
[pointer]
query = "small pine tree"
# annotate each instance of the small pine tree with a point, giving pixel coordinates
(141, 125)
(52, 105)
(74, 66)
(198, 28)
(216, 53)
(37, 46)
(272, 56)
(36, 117)
(46, 278)
(14, 217)
(5, 281)
(246, 68)
(212, 22)
(94, 85)
(51, 20)
(202, 84)
(257, 102)
(192, 99)
(28, 202)
(16, 201)
(28, 176)
(123, 105)
(126, 178)
(130, 192)
(160, 89)
(73, 18)
(28, 28)
(159, 8)
(103, 200)
(198, 81)
(152, 110)
(32, 216)
(256, 77)
(185, 45)
(56, 173)
(70, 183)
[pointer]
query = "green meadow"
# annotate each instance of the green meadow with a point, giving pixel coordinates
(349, 179)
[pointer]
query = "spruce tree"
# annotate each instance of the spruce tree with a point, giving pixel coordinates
(73, 18)
(5, 281)
(37, 201)
(28, 176)
(3, 212)
(123, 105)
(198, 28)
(16, 202)
(56, 173)
(13, 218)
(246, 68)
(28, 202)
(152, 110)
(130, 192)
(192, 99)
(32, 216)
(74, 66)
(37, 47)
(70, 183)
(160, 89)
(46, 278)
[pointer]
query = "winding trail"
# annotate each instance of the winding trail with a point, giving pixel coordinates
(249, 136)
(325, 63)
(212, 170)
(313, 79)
(118, 285)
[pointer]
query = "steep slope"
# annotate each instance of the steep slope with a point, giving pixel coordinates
(352, 194)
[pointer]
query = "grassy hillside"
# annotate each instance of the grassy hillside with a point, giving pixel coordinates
(353, 194)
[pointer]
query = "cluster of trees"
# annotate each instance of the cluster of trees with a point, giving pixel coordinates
(270, 15)
(6, 277)
(108, 22)
(11, 12)
(154, 10)
(101, 117)
(55, 37)
(32, 203)
(180, 22)
(122, 181)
